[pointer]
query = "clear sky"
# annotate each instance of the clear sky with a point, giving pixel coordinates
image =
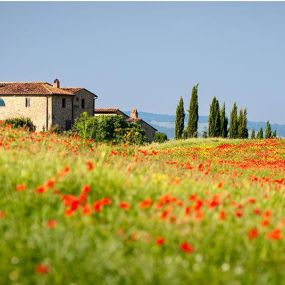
(149, 54)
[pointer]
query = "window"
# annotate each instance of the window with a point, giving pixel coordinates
(63, 103)
(27, 102)
(2, 103)
(82, 103)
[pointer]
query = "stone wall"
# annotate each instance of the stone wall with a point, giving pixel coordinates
(15, 107)
(149, 131)
(65, 117)
(89, 103)
(62, 117)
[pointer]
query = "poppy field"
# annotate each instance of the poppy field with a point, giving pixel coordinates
(198, 211)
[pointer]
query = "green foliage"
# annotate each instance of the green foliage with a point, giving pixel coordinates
(160, 137)
(192, 127)
(253, 134)
(179, 119)
(260, 134)
(268, 133)
(242, 124)
(224, 122)
(274, 134)
(233, 129)
(116, 245)
(204, 133)
(214, 129)
(109, 129)
(21, 122)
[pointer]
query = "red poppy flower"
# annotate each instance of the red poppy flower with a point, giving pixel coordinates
(90, 165)
(21, 187)
(97, 206)
(86, 189)
(40, 189)
(160, 241)
(86, 210)
(124, 205)
(275, 234)
(265, 222)
(252, 233)
(146, 203)
(220, 185)
(222, 215)
(2, 214)
(42, 268)
(50, 183)
(51, 224)
(186, 247)
(187, 211)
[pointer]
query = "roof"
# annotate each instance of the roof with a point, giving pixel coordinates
(105, 111)
(36, 88)
(74, 90)
(138, 120)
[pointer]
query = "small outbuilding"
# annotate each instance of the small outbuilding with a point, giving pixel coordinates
(149, 130)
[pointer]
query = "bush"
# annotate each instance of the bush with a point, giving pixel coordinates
(109, 129)
(22, 122)
(160, 137)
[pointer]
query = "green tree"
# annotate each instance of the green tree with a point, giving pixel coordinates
(160, 137)
(233, 129)
(214, 128)
(274, 134)
(268, 133)
(260, 134)
(224, 122)
(179, 119)
(192, 127)
(242, 124)
(253, 134)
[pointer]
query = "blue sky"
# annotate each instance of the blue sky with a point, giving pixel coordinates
(149, 54)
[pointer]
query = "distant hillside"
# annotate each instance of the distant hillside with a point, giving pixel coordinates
(165, 123)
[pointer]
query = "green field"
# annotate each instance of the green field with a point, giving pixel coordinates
(199, 211)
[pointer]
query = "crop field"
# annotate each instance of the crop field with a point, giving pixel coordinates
(200, 211)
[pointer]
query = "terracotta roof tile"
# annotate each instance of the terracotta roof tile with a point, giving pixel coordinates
(106, 110)
(31, 88)
(72, 90)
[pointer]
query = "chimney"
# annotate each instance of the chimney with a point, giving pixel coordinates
(134, 113)
(56, 83)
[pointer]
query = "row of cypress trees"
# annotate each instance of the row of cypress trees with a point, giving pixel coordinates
(191, 130)
(268, 133)
(218, 121)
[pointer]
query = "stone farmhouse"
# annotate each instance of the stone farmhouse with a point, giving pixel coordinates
(45, 104)
(50, 105)
(149, 130)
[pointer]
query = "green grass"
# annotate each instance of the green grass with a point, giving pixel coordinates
(117, 246)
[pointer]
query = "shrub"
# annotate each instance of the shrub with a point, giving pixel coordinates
(22, 122)
(160, 137)
(109, 129)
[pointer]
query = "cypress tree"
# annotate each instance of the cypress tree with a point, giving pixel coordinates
(268, 133)
(233, 129)
(242, 124)
(274, 134)
(214, 128)
(192, 127)
(260, 134)
(224, 122)
(179, 119)
(253, 134)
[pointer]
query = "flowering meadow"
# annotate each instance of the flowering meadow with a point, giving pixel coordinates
(200, 211)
